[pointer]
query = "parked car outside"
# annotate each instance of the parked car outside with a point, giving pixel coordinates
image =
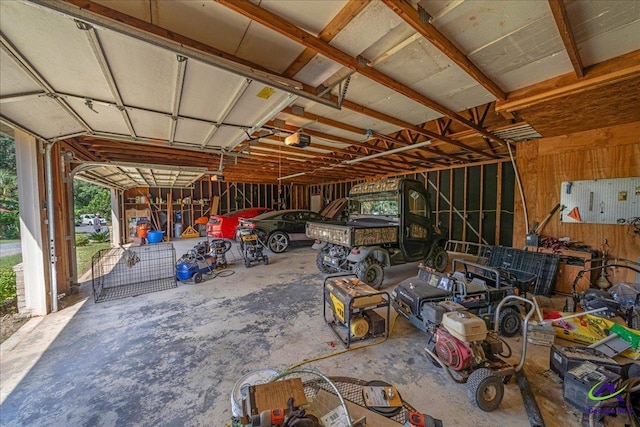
(224, 226)
(279, 229)
(87, 219)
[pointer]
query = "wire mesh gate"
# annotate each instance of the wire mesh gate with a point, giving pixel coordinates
(121, 273)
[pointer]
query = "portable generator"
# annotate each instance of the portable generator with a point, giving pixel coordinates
(351, 309)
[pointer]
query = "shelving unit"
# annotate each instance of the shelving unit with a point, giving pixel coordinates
(207, 198)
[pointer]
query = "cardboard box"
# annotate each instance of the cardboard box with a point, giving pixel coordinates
(275, 395)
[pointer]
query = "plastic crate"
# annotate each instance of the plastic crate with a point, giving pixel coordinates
(543, 266)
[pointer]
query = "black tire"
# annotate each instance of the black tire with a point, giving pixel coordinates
(438, 259)
(370, 271)
(321, 265)
(197, 277)
(485, 389)
(265, 260)
(247, 262)
(278, 242)
(509, 323)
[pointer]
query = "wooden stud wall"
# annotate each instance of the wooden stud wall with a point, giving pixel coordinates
(612, 152)
(463, 199)
(232, 196)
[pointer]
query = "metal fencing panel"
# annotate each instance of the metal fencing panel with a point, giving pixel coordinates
(121, 273)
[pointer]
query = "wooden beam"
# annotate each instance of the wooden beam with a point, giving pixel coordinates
(281, 26)
(337, 24)
(326, 121)
(406, 125)
(412, 17)
(605, 73)
(559, 12)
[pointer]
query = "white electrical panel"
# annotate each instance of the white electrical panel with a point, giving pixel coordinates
(601, 201)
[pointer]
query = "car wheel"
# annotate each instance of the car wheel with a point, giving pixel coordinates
(247, 262)
(265, 260)
(370, 271)
(278, 242)
(325, 269)
(509, 322)
(197, 277)
(485, 389)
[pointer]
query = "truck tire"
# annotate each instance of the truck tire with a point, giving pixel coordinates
(485, 389)
(438, 259)
(509, 322)
(370, 271)
(322, 266)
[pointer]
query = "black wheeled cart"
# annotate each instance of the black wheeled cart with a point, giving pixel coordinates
(354, 310)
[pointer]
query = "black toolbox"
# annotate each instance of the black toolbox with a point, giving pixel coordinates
(563, 359)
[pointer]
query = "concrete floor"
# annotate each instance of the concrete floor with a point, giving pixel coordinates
(172, 358)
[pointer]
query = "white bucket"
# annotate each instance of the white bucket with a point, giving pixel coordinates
(241, 388)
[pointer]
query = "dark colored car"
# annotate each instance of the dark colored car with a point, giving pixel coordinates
(278, 229)
(224, 226)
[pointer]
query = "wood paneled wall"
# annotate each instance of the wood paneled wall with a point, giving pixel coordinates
(612, 152)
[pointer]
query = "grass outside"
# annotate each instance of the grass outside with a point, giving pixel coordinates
(84, 254)
(10, 260)
(9, 240)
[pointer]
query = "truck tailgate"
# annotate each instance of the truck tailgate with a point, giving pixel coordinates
(352, 235)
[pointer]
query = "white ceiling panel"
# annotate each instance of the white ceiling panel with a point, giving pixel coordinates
(360, 33)
(415, 63)
(515, 43)
(262, 46)
(150, 125)
(192, 130)
(55, 47)
(529, 74)
(533, 44)
(204, 21)
(145, 74)
(318, 70)
(604, 29)
(387, 101)
(41, 115)
(99, 116)
(475, 24)
(252, 105)
(311, 16)
(225, 136)
(137, 8)
(207, 91)
(13, 79)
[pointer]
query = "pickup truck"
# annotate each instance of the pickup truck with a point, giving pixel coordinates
(389, 222)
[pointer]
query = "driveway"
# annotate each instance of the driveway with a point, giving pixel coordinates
(11, 248)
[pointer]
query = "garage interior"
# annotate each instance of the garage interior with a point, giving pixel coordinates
(500, 108)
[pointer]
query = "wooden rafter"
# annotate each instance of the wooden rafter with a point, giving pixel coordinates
(412, 17)
(622, 68)
(559, 12)
(337, 24)
(280, 25)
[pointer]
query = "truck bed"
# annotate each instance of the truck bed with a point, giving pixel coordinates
(353, 234)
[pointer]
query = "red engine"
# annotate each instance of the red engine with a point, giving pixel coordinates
(451, 351)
